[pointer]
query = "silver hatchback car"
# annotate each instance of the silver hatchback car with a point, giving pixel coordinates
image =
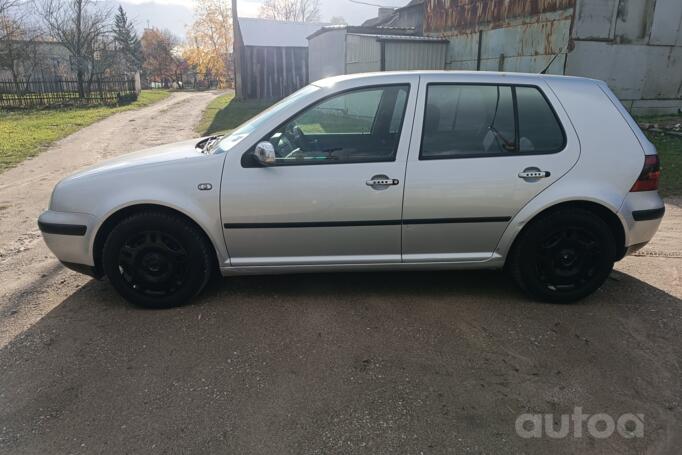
(546, 176)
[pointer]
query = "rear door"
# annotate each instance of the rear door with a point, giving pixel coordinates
(482, 148)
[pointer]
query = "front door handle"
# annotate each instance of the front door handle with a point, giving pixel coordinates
(533, 173)
(381, 182)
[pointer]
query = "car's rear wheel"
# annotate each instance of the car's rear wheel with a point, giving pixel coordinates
(157, 259)
(563, 256)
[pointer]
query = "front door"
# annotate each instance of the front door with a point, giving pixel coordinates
(334, 195)
(480, 152)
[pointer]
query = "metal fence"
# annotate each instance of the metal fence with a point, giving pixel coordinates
(35, 93)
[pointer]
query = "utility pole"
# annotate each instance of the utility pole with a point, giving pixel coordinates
(236, 52)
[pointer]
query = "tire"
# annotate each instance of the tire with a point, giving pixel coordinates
(157, 260)
(563, 256)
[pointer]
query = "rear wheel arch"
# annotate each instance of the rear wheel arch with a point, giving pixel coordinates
(115, 218)
(601, 211)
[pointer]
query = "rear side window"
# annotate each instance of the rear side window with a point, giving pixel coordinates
(465, 121)
(539, 129)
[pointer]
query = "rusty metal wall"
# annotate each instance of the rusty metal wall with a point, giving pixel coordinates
(634, 45)
(523, 44)
(466, 15)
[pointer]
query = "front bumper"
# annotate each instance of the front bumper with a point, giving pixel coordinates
(69, 236)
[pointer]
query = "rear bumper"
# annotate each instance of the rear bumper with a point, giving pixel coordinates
(648, 215)
(642, 213)
(69, 236)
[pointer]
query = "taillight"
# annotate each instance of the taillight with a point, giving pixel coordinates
(651, 173)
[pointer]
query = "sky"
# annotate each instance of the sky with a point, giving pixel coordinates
(353, 13)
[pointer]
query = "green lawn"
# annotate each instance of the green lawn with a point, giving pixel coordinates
(225, 113)
(25, 133)
(670, 152)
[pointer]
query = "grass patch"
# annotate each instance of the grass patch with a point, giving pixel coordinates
(670, 151)
(25, 133)
(226, 113)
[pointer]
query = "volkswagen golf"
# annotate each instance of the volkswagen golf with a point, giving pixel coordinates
(547, 177)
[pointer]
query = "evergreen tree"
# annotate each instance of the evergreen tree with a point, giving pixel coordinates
(127, 40)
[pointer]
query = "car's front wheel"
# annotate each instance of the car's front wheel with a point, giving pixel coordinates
(563, 256)
(157, 260)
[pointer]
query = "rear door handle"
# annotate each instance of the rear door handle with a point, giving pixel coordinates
(381, 182)
(534, 173)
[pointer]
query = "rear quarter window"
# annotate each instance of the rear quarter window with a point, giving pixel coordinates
(539, 129)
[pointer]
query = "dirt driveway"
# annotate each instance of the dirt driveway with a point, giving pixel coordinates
(338, 363)
(32, 282)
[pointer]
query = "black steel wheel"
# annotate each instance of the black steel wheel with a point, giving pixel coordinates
(564, 256)
(157, 259)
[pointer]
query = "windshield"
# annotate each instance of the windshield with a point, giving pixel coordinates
(249, 126)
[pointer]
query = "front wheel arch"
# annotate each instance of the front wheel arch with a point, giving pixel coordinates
(108, 225)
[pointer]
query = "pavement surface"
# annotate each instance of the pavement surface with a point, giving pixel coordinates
(376, 363)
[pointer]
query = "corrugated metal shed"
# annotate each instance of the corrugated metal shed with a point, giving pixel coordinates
(349, 50)
(363, 54)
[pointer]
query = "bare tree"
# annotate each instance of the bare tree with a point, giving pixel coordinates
(291, 10)
(6, 6)
(8, 11)
(80, 26)
(18, 44)
(18, 50)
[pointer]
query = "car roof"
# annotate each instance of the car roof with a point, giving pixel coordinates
(473, 75)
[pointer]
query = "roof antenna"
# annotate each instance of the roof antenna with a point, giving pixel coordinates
(544, 71)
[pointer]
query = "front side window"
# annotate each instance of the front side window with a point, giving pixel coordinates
(464, 121)
(357, 126)
(243, 131)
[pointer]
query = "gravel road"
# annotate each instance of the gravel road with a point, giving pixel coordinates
(383, 363)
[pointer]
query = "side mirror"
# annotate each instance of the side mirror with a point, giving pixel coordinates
(265, 154)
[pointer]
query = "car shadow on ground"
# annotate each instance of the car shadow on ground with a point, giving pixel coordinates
(388, 362)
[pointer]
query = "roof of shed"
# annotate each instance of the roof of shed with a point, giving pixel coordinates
(362, 30)
(421, 39)
(270, 33)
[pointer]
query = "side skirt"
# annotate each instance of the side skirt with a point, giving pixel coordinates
(493, 263)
